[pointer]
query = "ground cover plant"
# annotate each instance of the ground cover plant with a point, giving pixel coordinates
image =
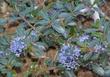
(54, 38)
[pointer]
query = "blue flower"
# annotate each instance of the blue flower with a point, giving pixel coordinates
(17, 45)
(33, 33)
(68, 56)
(51, 12)
(2, 54)
(83, 38)
(99, 48)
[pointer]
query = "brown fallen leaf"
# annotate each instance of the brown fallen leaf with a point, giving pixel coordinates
(85, 21)
(5, 9)
(11, 27)
(1, 34)
(105, 7)
(12, 24)
(25, 68)
(85, 73)
(53, 70)
(51, 53)
(40, 3)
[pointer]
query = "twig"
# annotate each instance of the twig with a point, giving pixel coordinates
(27, 22)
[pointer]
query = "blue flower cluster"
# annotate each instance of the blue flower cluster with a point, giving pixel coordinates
(68, 56)
(17, 46)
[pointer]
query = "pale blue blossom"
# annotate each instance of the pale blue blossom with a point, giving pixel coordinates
(33, 33)
(83, 38)
(17, 45)
(68, 56)
(98, 48)
(2, 54)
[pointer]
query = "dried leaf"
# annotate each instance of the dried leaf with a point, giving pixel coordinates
(51, 53)
(40, 3)
(10, 27)
(85, 73)
(106, 8)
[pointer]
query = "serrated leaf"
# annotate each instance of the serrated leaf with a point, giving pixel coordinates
(98, 70)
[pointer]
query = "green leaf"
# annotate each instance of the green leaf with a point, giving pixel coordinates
(2, 21)
(97, 34)
(96, 24)
(42, 22)
(108, 37)
(2, 67)
(26, 11)
(87, 56)
(90, 30)
(26, 74)
(18, 64)
(20, 30)
(98, 70)
(66, 16)
(44, 14)
(72, 23)
(38, 49)
(59, 5)
(107, 73)
(10, 74)
(79, 7)
(70, 74)
(1, 30)
(73, 31)
(3, 61)
(4, 41)
(56, 26)
(95, 56)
